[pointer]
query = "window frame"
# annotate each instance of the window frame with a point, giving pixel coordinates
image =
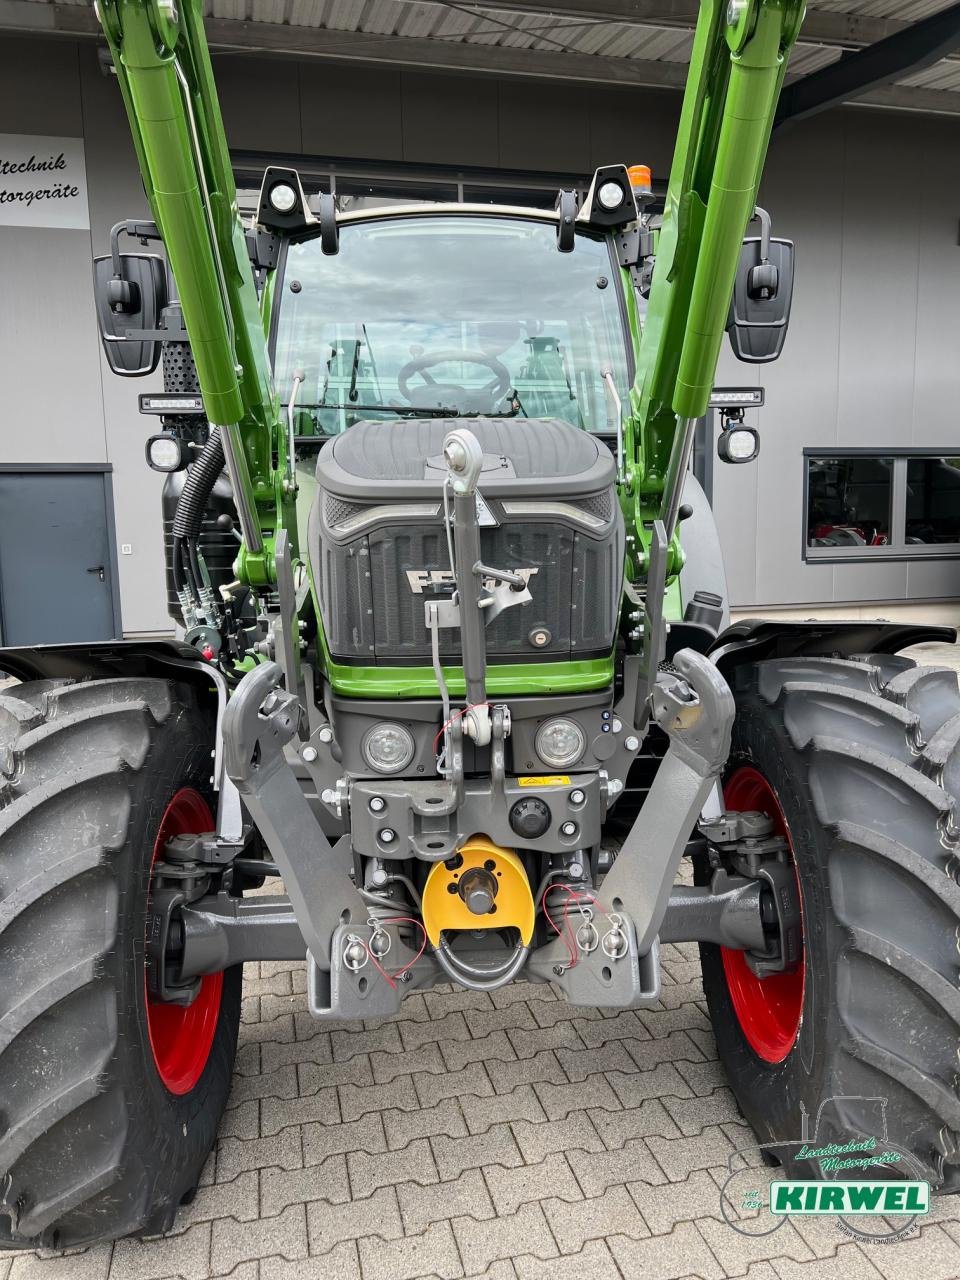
(897, 549)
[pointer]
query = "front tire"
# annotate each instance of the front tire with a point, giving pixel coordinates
(108, 1113)
(858, 763)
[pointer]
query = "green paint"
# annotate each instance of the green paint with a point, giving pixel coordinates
(503, 679)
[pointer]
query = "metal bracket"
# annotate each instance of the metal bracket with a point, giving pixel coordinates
(494, 600)
(286, 625)
(694, 706)
(258, 723)
(654, 627)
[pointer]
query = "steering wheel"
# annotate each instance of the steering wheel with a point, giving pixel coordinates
(495, 389)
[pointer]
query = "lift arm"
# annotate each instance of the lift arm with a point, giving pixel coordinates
(163, 66)
(737, 65)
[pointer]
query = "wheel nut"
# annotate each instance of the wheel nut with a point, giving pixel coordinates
(377, 804)
(387, 835)
(568, 829)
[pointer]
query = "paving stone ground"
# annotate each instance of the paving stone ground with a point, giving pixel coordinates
(510, 1136)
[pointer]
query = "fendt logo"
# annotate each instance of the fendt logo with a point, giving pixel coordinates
(422, 580)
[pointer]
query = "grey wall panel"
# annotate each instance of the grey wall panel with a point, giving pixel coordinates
(261, 112)
(937, 213)
(39, 87)
(870, 581)
(450, 119)
(349, 111)
(545, 126)
(933, 579)
(633, 127)
(52, 408)
(878, 310)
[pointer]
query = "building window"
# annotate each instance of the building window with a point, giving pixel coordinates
(894, 505)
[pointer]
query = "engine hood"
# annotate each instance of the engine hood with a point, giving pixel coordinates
(404, 458)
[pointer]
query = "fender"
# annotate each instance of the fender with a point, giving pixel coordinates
(106, 659)
(756, 639)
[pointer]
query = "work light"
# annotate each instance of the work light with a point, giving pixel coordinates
(165, 452)
(282, 197)
(610, 195)
(560, 743)
(388, 748)
(738, 444)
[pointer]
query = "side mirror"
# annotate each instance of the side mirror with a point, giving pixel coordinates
(131, 292)
(762, 293)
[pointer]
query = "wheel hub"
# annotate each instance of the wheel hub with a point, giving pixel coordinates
(769, 1009)
(181, 1036)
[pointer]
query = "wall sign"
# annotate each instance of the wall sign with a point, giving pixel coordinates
(43, 182)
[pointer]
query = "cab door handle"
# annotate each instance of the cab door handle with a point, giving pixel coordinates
(98, 570)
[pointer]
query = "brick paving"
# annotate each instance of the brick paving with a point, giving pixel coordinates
(509, 1136)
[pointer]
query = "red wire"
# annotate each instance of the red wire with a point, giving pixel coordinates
(573, 898)
(569, 942)
(453, 717)
(392, 979)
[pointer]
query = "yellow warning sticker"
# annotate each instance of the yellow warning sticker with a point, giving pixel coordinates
(547, 780)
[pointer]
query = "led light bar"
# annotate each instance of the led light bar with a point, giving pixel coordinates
(171, 402)
(736, 397)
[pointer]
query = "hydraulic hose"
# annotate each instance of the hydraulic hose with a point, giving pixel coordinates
(192, 503)
(198, 486)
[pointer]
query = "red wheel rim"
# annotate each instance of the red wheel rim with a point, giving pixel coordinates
(181, 1038)
(769, 1010)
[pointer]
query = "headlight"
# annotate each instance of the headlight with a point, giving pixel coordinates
(560, 743)
(610, 195)
(282, 197)
(388, 748)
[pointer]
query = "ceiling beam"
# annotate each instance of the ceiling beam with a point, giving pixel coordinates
(922, 45)
(826, 27)
(357, 46)
(281, 39)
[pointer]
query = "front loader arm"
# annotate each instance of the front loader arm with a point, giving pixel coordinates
(163, 66)
(737, 66)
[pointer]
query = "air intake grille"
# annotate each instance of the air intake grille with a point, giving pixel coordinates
(338, 509)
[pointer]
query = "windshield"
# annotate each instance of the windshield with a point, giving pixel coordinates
(450, 315)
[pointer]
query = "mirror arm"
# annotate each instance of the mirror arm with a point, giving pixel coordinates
(766, 226)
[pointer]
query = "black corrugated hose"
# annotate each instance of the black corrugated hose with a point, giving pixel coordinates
(192, 503)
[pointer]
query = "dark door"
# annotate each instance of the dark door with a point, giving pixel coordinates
(56, 563)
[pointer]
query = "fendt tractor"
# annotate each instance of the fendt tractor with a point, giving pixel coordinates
(454, 668)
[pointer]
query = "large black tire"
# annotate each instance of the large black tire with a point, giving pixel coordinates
(863, 758)
(93, 1145)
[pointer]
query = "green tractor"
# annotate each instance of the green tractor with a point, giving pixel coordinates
(455, 671)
